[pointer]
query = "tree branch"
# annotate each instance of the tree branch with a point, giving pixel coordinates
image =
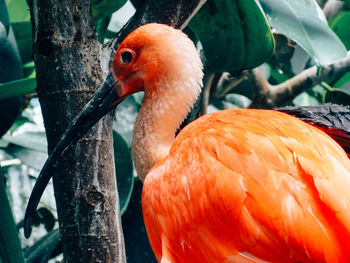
(332, 7)
(270, 96)
(67, 55)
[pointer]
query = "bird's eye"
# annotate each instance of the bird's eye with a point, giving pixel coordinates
(126, 57)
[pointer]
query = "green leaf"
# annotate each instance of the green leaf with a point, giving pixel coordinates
(10, 248)
(229, 30)
(29, 70)
(124, 170)
(137, 247)
(103, 8)
(22, 119)
(337, 96)
(31, 140)
(17, 88)
(102, 11)
(300, 21)
(109, 34)
(42, 249)
(10, 62)
(31, 158)
(126, 116)
(277, 76)
(137, 3)
(101, 27)
(341, 26)
(117, 20)
(4, 17)
(23, 35)
(238, 101)
(311, 97)
(45, 217)
(18, 10)
(345, 79)
(232, 101)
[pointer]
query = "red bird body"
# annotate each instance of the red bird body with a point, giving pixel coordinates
(249, 186)
(233, 186)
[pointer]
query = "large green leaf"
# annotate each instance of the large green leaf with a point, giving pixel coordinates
(4, 17)
(108, 26)
(18, 10)
(103, 8)
(137, 3)
(29, 70)
(23, 35)
(229, 31)
(10, 248)
(137, 247)
(102, 11)
(126, 116)
(10, 63)
(232, 101)
(300, 21)
(29, 157)
(337, 96)
(10, 70)
(31, 140)
(101, 26)
(341, 26)
(310, 97)
(17, 88)
(42, 249)
(124, 170)
(343, 82)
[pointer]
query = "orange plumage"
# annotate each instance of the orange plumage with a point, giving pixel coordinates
(235, 185)
(239, 185)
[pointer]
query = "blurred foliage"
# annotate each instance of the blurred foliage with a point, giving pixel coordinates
(230, 35)
(10, 248)
(232, 29)
(305, 23)
(340, 25)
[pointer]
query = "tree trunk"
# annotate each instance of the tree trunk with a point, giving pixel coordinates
(70, 65)
(68, 68)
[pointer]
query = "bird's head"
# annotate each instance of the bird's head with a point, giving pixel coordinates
(147, 59)
(154, 54)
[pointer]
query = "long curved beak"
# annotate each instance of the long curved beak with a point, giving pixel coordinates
(107, 97)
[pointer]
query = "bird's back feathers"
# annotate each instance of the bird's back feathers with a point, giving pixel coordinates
(250, 185)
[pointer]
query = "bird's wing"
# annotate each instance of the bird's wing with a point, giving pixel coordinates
(256, 182)
(330, 118)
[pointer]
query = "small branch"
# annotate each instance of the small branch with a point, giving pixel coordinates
(206, 93)
(269, 96)
(332, 7)
(227, 83)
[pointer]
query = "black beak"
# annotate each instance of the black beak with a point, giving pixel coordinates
(107, 97)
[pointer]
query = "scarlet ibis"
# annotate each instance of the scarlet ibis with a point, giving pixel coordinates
(234, 185)
(331, 118)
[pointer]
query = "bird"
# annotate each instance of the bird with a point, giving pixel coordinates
(331, 118)
(239, 185)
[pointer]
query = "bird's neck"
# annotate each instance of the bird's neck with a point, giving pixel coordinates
(156, 124)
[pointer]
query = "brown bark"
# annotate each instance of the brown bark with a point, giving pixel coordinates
(270, 96)
(70, 64)
(67, 57)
